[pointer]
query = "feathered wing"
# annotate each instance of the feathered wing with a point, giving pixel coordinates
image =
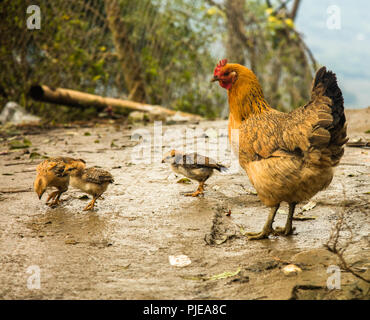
(195, 160)
(56, 165)
(321, 124)
(98, 176)
(316, 132)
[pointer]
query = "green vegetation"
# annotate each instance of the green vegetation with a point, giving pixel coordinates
(158, 52)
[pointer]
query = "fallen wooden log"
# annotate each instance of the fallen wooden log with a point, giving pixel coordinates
(79, 99)
(359, 144)
(15, 190)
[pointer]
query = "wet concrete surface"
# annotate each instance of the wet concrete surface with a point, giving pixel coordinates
(121, 250)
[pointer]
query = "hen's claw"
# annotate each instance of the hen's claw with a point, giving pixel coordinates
(258, 235)
(284, 231)
(267, 229)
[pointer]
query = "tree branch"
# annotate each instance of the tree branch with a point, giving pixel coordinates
(215, 4)
(293, 13)
(333, 242)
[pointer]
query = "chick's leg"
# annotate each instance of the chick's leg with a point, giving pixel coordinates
(57, 199)
(91, 204)
(267, 229)
(52, 196)
(288, 230)
(199, 191)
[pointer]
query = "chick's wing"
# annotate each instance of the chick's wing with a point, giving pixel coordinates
(98, 176)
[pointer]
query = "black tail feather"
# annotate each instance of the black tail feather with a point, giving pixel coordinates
(325, 84)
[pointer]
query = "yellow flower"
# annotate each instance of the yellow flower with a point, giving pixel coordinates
(269, 11)
(272, 19)
(212, 11)
(215, 11)
(289, 22)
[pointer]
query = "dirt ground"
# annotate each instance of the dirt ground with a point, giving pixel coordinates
(121, 250)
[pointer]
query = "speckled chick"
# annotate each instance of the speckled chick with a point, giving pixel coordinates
(194, 166)
(50, 173)
(92, 181)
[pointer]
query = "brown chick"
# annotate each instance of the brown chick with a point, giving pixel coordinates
(93, 181)
(50, 173)
(289, 157)
(193, 166)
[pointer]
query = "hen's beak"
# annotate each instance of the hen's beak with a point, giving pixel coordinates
(215, 78)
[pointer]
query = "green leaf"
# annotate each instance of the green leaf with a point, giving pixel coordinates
(184, 181)
(225, 275)
(35, 155)
(17, 144)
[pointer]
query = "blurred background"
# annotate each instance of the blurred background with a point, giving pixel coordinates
(164, 52)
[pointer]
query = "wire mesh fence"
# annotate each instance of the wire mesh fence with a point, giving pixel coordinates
(144, 50)
(158, 52)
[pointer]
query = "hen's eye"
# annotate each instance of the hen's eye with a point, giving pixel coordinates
(226, 74)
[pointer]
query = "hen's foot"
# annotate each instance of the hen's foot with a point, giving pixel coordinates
(264, 234)
(284, 231)
(267, 229)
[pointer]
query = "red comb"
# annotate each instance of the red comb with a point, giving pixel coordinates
(220, 64)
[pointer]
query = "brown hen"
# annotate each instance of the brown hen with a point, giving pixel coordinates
(287, 156)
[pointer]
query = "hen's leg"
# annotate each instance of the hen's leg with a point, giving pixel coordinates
(288, 230)
(199, 191)
(91, 204)
(267, 229)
